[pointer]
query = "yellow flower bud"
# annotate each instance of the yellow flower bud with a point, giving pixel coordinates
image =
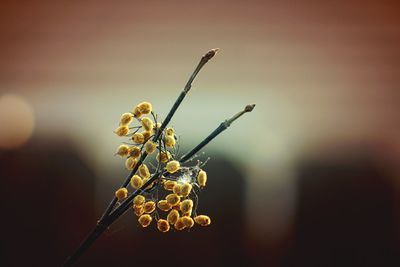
(144, 171)
(173, 216)
(136, 181)
(203, 220)
(173, 199)
(169, 141)
(173, 166)
(169, 185)
(202, 178)
(188, 213)
(163, 225)
(177, 189)
(164, 205)
(138, 138)
(149, 206)
(122, 151)
(136, 112)
(145, 107)
(139, 200)
(179, 225)
(150, 147)
(130, 163)
(122, 130)
(185, 189)
(138, 210)
(165, 156)
(134, 152)
(121, 193)
(126, 119)
(186, 205)
(147, 124)
(188, 221)
(146, 135)
(170, 132)
(145, 220)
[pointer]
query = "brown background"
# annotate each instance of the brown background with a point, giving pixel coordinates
(310, 178)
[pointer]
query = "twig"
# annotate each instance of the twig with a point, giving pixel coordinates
(222, 127)
(210, 54)
(105, 221)
(125, 205)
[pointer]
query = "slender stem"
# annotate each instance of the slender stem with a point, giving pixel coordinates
(204, 59)
(223, 126)
(105, 220)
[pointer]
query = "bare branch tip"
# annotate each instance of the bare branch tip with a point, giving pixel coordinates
(249, 108)
(210, 54)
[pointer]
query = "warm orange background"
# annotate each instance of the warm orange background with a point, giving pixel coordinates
(325, 77)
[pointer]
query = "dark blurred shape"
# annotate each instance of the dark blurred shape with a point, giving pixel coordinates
(345, 213)
(48, 208)
(47, 203)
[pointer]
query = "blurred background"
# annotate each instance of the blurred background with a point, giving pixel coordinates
(309, 178)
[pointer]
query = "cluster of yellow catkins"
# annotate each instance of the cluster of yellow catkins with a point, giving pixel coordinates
(177, 204)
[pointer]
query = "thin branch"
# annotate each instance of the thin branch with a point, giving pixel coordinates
(210, 54)
(125, 205)
(105, 220)
(222, 127)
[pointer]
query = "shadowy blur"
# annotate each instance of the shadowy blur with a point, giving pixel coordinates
(309, 178)
(346, 212)
(52, 210)
(47, 202)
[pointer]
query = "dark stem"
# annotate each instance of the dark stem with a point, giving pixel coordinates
(222, 127)
(171, 113)
(104, 220)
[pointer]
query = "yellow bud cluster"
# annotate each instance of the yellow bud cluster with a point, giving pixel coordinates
(180, 182)
(143, 209)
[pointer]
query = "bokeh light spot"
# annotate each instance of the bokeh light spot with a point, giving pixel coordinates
(16, 121)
